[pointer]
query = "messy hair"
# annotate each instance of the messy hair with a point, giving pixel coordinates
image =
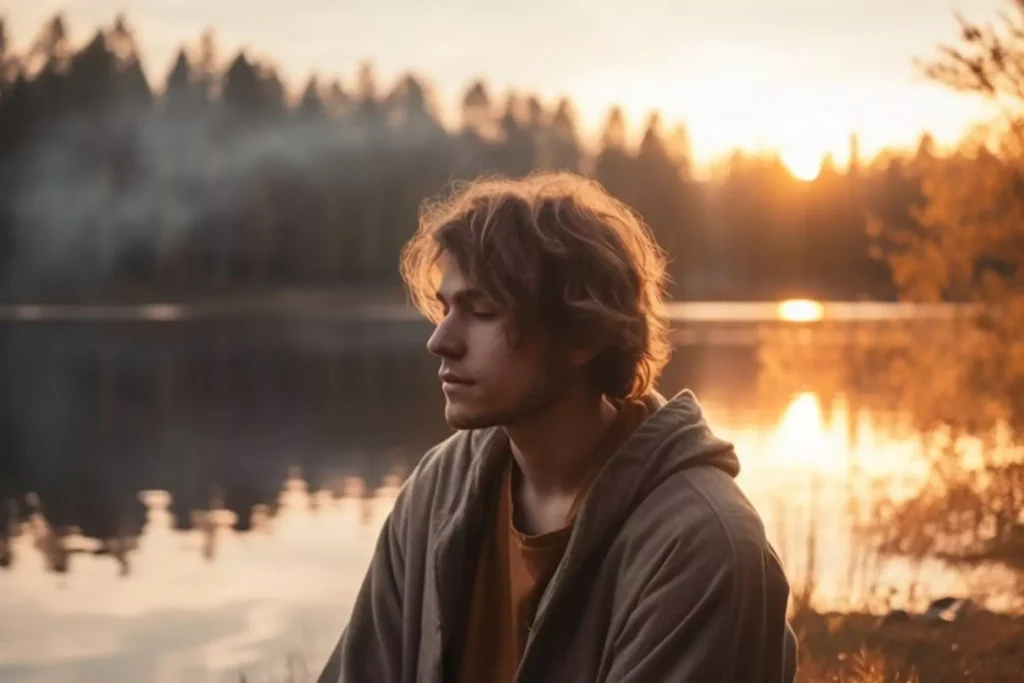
(558, 250)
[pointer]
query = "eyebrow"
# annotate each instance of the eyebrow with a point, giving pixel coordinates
(463, 295)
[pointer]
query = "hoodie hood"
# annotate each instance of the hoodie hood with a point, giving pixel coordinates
(676, 434)
(674, 437)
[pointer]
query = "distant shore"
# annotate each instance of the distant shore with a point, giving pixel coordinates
(392, 303)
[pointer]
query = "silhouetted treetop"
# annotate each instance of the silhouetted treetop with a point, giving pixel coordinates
(534, 113)
(476, 108)
(241, 90)
(180, 86)
(311, 104)
(651, 145)
(614, 134)
(564, 120)
(93, 75)
(121, 42)
(337, 102)
(369, 109)
(10, 64)
(51, 47)
(411, 106)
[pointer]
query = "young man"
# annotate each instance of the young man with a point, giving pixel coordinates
(577, 526)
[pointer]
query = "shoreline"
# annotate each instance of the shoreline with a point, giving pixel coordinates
(982, 647)
(393, 304)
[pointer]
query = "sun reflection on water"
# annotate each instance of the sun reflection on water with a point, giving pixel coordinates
(801, 310)
(800, 439)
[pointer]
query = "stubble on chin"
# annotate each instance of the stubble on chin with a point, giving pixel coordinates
(534, 403)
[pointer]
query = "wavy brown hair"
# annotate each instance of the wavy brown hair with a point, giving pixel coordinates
(556, 249)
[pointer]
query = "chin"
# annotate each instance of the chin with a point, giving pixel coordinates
(463, 417)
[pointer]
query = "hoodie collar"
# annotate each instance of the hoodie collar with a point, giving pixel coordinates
(674, 436)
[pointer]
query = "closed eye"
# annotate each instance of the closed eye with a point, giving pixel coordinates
(485, 314)
(470, 302)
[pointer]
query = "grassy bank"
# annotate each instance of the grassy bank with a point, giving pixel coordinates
(858, 648)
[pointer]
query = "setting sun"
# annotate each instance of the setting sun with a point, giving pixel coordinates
(803, 164)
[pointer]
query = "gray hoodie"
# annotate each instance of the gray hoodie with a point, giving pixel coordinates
(667, 575)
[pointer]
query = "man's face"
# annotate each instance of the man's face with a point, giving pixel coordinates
(486, 381)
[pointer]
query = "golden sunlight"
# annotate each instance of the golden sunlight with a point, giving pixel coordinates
(801, 310)
(800, 436)
(803, 163)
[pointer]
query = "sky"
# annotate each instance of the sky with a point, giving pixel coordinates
(795, 75)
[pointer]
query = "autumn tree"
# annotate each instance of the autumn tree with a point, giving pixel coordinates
(965, 379)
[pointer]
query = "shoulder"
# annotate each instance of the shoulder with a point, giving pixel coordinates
(449, 462)
(699, 518)
(724, 509)
(439, 480)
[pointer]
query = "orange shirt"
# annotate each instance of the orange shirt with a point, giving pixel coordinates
(514, 568)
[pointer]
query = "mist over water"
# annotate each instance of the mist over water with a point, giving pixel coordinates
(97, 189)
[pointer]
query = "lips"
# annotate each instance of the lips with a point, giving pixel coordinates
(448, 377)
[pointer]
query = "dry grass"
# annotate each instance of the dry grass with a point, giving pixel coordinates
(856, 648)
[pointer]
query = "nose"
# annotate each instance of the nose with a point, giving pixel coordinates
(447, 340)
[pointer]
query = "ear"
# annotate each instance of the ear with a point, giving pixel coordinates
(581, 354)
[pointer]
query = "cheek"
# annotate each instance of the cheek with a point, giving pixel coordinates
(498, 360)
(517, 370)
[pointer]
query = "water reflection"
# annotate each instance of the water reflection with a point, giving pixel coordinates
(183, 502)
(211, 599)
(205, 600)
(33, 545)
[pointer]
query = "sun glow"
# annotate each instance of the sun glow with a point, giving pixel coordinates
(801, 438)
(801, 310)
(803, 163)
(757, 102)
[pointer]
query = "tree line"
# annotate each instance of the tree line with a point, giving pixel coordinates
(216, 178)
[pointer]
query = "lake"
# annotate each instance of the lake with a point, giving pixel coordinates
(188, 496)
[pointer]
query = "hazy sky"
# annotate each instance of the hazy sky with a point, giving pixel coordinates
(799, 75)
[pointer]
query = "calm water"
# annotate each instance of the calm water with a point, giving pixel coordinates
(185, 500)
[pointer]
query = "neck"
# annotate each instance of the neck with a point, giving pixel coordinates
(554, 449)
